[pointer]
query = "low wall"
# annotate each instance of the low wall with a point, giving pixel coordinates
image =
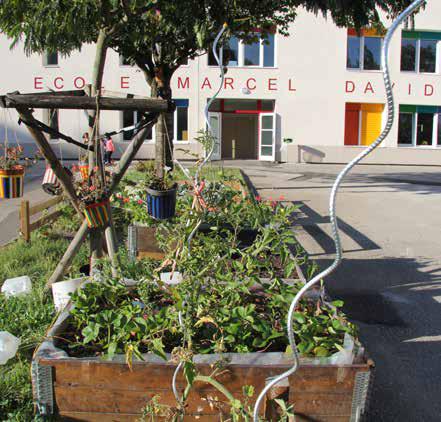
(382, 155)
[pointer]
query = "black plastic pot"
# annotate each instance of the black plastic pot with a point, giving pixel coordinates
(161, 204)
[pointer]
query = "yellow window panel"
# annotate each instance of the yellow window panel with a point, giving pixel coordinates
(370, 122)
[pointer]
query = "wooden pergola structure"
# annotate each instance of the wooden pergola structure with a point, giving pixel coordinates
(25, 104)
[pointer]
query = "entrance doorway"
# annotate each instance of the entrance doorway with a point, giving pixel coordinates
(243, 128)
(239, 136)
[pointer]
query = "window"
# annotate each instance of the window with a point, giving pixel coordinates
(428, 56)
(180, 123)
(408, 55)
(405, 125)
(419, 51)
(131, 118)
(51, 119)
(362, 123)
(364, 53)
(419, 126)
(50, 59)
(258, 54)
(252, 54)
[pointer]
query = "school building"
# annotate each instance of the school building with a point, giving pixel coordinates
(315, 96)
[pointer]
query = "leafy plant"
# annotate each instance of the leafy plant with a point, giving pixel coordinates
(13, 158)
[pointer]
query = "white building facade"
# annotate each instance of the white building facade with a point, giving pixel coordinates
(315, 96)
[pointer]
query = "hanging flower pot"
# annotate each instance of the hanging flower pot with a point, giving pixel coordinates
(84, 170)
(161, 204)
(51, 184)
(96, 214)
(12, 182)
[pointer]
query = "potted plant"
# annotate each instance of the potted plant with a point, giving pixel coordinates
(161, 196)
(12, 172)
(94, 196)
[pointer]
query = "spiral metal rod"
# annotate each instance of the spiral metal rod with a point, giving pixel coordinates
(219, 59)
(332, 202)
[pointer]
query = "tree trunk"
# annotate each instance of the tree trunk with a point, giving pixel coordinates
(160, 88)
(95, 159)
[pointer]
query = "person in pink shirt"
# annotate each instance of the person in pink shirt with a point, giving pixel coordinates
(109, 149)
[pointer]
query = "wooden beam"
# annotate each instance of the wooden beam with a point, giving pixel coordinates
(51, 101)
(74, 92)
(25, 220)
(51, 158)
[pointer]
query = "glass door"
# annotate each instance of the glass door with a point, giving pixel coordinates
(267, 136)
(424, 129)
(215, 122)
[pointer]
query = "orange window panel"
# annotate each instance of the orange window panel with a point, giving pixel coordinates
(370, 122)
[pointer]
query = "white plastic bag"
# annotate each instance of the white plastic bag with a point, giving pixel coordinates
(8, 346)
(17, 286)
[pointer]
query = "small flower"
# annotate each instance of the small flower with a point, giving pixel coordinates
(132, 333)
(167, 169)
(118, 195)
(140, 202)
(281, 198)
(92, 188)
(126, 200)
(145, 316)
(258, 198)
(95, 168)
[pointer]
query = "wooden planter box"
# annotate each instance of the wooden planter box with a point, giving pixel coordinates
(90, 389)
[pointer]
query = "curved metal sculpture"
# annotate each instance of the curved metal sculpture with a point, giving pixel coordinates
(332, 202)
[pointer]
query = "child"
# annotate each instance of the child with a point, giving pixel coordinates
(109, 150)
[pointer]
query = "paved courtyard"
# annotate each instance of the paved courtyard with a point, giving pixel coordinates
(390, 279)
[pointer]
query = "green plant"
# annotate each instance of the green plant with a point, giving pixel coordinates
(12, 158)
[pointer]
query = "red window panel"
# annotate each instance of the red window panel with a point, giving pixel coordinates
(352, 123)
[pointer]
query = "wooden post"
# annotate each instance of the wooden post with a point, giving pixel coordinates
(69, 255)
(25, 221)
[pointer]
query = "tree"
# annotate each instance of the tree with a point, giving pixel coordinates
(160, 35)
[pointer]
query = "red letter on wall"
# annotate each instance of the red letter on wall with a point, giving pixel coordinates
(38, 82)
(290, 87)
(124, 82)
(229, 82)
(251, 88)
(59, 86)
(185, 84)
(409, 90)
(350, 87)
(428, 90)
(79, 82)
(206, 83)
(369, 88)
(272, 84)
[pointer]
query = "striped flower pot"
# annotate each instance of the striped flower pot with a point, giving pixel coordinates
(12, 182)
(51, 184)
(161, 204)
(96, 214)
(84, 170)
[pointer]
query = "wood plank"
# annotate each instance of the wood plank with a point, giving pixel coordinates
(89, 399)
(45, 220)
(50, 101)
(321, 403)
(41, 206)
(150, 376)
(126, 417)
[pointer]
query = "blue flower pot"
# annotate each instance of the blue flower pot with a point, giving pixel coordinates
(161, 204)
